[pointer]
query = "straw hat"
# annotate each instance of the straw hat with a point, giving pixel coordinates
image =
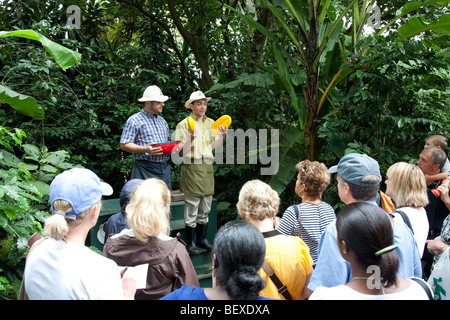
(197, 95)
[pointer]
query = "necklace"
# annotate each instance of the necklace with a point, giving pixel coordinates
(367, 278)
(360, 278)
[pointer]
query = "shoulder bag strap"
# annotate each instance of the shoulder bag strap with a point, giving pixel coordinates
(281, 287)
(425, 287)
(299, 217)
(406, 219)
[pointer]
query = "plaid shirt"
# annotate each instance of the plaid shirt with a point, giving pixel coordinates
(143, 128)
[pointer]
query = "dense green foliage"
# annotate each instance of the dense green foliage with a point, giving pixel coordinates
(25, 174)
(392, 92)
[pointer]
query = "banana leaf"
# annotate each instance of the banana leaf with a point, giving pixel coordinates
(24, 104)
(63, 56)
(417, 25)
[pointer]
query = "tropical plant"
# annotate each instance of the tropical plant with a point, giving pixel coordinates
(25, 173)
(321, 38)
(63, 56)
(400, 96)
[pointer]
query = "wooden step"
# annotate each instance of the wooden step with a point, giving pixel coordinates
(204, 274)
(204, 271)
(176, 226)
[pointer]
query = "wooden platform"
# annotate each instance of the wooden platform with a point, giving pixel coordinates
(202, 263)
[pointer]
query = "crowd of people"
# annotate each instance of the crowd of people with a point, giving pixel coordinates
(381, 245)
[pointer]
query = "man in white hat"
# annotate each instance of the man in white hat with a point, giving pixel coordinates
(142, 131)
(197, 176)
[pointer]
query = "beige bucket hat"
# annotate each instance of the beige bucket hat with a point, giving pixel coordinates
(196, 95)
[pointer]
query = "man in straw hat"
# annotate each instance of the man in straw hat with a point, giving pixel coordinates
(197, 176)
(142, 131)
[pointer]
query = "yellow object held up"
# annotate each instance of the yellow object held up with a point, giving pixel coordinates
(191, 123)
(222, 121)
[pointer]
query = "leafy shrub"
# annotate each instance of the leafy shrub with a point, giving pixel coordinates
(25, 173)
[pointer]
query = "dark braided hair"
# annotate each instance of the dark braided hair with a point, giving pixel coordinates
(240, 250)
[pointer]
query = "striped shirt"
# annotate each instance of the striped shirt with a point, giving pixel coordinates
(143, 128)
(315, 218)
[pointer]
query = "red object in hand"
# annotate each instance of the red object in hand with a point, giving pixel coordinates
(167, 147)
(436, 192)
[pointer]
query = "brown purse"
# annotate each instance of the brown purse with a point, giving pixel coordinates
(281, 287)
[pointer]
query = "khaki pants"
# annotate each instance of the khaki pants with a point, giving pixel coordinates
(196, 209)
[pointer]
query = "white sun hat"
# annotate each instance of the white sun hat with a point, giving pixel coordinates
(196, 95)
(153, 93)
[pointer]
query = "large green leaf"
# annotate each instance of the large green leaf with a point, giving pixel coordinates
(337, 24)
(409, 7)
(413, 5)
(285, 78)
(252, 23)
(63, 56)
(417, 25)
(292, 146)
(24, 104)
(282, 19)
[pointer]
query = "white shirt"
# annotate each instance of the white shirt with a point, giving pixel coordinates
(59, 270)
(342, 292)
(419, 223)
(446, 166)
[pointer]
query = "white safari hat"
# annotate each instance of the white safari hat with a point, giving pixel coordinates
(153, 93)
(197, 95)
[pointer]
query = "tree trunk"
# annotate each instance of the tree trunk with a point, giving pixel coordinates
(312, 82)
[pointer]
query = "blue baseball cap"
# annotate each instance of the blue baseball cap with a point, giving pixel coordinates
(80, 187)
(354, 167)
(126, 192)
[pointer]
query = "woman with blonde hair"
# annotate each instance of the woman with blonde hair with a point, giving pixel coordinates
(288, 256)
(60, 266)
(407, 187)
(147, 243)
(309, 218)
